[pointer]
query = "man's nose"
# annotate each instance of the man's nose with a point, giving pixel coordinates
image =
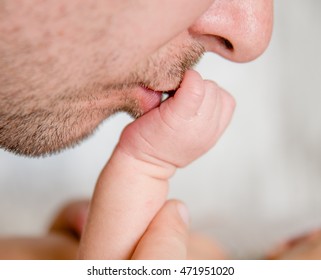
(239, 30)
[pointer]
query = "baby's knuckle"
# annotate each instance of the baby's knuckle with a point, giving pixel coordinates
(210, 86)
(230, 100)
(210, 83)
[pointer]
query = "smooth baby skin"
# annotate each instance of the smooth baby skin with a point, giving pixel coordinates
(133, 185)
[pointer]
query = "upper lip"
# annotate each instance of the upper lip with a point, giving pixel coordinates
(161, 89)
(170, 86)
(158, 90)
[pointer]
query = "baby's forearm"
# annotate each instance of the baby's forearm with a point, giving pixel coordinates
(131, 191)
(134, 184)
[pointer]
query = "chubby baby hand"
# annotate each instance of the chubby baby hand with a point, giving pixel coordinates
(184, 127)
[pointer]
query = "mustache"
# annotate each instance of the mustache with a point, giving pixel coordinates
(187, 60)
(164, 72)
(171, 69)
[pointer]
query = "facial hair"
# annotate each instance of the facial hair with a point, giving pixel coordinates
(38, 125)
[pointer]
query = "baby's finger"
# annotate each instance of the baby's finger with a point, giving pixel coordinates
(166, 237)
(217, 108)
(188, 98)
(214, 114)
(227, 107)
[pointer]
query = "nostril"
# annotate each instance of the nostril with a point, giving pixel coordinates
(228, 45)
(225, 43)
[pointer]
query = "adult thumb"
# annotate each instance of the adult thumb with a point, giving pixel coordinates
(167, 235)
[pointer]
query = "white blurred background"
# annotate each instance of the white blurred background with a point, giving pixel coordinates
(259, 186)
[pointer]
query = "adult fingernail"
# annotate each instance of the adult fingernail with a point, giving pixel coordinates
(183, 211)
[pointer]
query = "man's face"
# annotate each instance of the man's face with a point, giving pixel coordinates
(65, 66)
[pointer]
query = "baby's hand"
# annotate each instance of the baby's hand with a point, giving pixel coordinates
(133, 186)
(183, 128)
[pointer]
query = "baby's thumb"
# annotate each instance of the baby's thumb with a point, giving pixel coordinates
(167, 235)
(189, 97)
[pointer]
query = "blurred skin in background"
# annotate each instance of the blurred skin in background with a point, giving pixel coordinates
(65, 66)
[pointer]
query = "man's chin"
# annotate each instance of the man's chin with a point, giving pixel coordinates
(41, 138)
(43, 148)
(45, 137)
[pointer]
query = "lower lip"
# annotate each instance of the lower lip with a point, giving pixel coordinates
(149, 99)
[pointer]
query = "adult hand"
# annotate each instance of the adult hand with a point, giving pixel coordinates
(168, 237)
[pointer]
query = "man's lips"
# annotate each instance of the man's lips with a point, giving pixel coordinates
(150, 99)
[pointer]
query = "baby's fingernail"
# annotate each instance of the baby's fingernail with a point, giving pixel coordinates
(183, 211)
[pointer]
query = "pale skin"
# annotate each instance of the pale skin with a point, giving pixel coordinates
(65, 66)
(135, 181)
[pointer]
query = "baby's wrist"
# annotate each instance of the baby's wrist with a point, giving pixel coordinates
(143, 163)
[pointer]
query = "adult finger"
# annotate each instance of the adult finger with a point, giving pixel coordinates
(167, 235)
(201, 247)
